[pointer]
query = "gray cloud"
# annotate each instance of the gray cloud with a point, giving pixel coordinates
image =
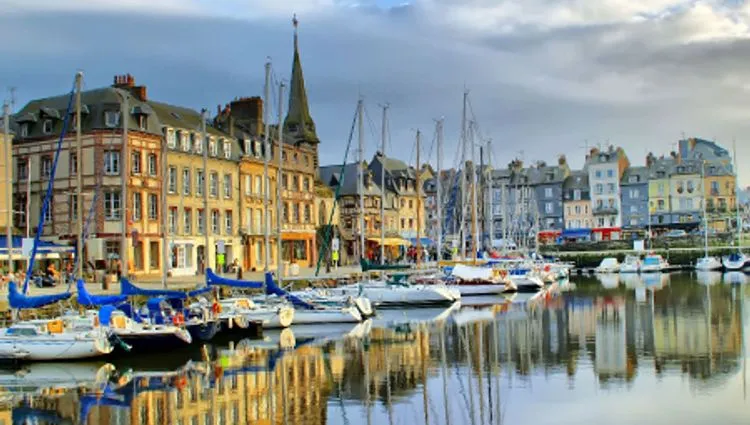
(538, 88)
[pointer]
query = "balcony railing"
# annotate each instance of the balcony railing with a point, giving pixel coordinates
(605, 210)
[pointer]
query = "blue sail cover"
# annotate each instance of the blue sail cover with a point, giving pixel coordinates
(128, 289)
(272, 289)
(86, 299)
(200, 291)
(21, 301)
(215, 280)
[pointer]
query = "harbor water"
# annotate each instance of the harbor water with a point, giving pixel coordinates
(625, 349)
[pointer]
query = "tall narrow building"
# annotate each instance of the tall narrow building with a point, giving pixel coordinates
(299, 127)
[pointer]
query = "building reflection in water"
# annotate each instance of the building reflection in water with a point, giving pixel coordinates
(451, 371)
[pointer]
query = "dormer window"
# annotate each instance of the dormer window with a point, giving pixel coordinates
(199, 145)
(111, 118)
(213, 149)
(249, 147)
(680, 169)
(227, 149)
(47, 126)
(172, 136)
(633, 179)
(258, 149)
(185, 141)
(24, 130)
(143, 122)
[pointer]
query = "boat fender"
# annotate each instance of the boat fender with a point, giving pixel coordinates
(178, 319)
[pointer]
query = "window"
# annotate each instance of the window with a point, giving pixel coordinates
(689, 203)
(306, 183)
(135, 162)
(172, 136)
(660, 204)
(258, 185)
(47, 126)
(286, 212)
(185, 142)
(611, 188)
(46, 166)
(610, 173)
(213, 148)
(598, 174)
(153, 206)
(258, 220)
(599, 188)
(308, 213)
(248, 184)
(660, 188)
(198, 145)
(634, 208)
(137, 207)
(73, 206)
(411, 204)
(112, 205)
(227, 186)
(295, 212)
(25, 129)
(50, 208)
(112, 163)
(411, 223)
(187, 221)
(152, 164)
(248, 219)
(285, 181)
(172, 220)
(201, 222)
(635, 193)
(200, 182)
(577, 209)
(690, 186)
(549, 208)
(714, 188)
(111, 118)
(214, 185)
(295, 183)
(186, 182)
(228, 221)
(172, 176)
(227, 149)
(22, 169)
(576, 195)
(143, 122)
(73, 163)
(547, 192)
(215, 221)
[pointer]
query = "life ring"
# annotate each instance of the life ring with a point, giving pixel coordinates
(178, 319)
(216, 308)
(180, 382)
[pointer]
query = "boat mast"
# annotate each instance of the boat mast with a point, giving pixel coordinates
(474, 226)
(438, 195)
(503, 203)
(462, 225)
(490, 220)
(279, 215)
(125, 115)
(419, 202)
(8, 184)
(163, 207)
(737, 197)
(79, 179)
(206, 227)
(266, 190)
(705, 217)
(361, 176)
(382, 184)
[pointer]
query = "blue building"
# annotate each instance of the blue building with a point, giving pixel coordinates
(548, 188)
(634, 197)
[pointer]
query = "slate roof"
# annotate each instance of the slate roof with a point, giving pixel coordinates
(331, 175)
(578, 179)
(641, 173)
(548, 174)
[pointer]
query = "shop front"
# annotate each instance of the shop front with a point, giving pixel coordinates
(606, 234)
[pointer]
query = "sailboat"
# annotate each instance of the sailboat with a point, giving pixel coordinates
(736, 261)
(706, 263)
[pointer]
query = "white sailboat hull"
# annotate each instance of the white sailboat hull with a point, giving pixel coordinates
(469, 290)
(527, 282)
(54, 347)
(388, 295)
(327, 315)
(708, 264)
(735, 265)
(272, 318)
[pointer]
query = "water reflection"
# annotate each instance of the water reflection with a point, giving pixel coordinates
(508, 361)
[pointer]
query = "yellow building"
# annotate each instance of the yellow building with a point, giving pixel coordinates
(401, 181)
(40, 124)
(187, 181)
(720, 186)
(5, 161)
(659, 190)
(686, 192)
(577, 201)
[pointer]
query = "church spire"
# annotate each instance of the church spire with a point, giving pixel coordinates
(299, 125)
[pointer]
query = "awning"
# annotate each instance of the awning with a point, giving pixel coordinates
(45, 247)
(422, 241)
(390, 241)
(576, 233)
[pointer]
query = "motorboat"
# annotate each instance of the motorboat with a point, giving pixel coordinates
(243, 310)
(323, 297)
(608, 265)
(654, 263)
(528, 282)
(48, 340)
(143, 336)
(735, 261)
(708, 264)
(391, 294)
(631, 264)
(475, 281)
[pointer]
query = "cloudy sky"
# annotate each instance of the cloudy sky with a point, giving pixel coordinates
(545, 77)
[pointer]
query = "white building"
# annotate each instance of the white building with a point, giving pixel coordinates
(605, 169)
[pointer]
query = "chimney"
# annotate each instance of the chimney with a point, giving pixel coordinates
(140, 93)
(562, 160)
(127, 82)
(650, 158)
(248, 111)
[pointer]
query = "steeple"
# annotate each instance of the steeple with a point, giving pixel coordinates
(299, 125)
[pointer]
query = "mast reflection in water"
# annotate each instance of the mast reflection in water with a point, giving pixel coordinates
(638, 349)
